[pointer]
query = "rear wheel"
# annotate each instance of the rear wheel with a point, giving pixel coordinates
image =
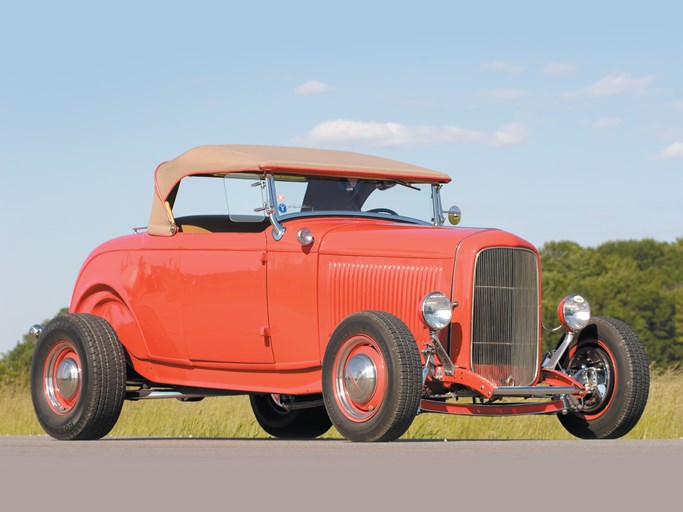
(372, 377)
(610, 359)
(78, 377)
(289, 424)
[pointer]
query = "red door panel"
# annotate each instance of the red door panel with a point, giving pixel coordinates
(224, 309)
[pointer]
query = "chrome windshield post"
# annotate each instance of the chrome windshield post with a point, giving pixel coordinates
(438, 219)
(271, 208)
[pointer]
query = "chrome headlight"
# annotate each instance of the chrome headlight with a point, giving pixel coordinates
(437, 310)
(574, 312)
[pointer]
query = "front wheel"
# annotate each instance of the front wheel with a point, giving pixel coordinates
(372, 377)
(610, 360)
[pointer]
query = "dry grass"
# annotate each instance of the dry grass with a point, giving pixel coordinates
(231, 417)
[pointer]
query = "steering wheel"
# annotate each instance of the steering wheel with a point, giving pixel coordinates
(383, 210)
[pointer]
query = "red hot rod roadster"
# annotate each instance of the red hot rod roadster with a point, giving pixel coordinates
(326, 286)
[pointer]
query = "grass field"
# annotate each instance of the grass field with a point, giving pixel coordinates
(231, 417)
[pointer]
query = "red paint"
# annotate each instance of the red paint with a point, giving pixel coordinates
(550, 407)
(61, 351)
(359, 411)
(244, 312)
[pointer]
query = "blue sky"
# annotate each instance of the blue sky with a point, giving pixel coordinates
(556, 121)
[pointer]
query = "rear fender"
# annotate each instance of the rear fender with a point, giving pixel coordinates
(105, 302)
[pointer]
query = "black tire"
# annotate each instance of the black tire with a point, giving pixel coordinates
(78, 377)
(614, 350)
(379, 408)
(281, 423)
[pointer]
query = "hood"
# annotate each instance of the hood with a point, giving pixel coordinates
(396, 239)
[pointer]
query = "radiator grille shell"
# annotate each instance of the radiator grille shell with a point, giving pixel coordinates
(505, 316)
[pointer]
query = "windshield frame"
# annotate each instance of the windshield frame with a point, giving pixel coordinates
(277, 217)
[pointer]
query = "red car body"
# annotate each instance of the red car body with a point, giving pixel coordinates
(252, 309)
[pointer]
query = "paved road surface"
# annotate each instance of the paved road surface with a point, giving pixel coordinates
(39, 473)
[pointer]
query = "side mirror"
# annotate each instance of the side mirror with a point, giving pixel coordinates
(454, 215)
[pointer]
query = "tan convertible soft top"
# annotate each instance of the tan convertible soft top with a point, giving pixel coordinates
(223, 159)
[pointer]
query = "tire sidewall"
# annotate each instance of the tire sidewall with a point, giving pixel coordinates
(608, 420)
(59, 425)
(360, 430)
(294, 424)
(272, 418)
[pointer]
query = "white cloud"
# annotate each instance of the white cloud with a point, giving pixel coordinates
(674, 150)
(313, 87)
(505, 67)
(559, 69)
(613, 86)
(607, 122)
(347, 132)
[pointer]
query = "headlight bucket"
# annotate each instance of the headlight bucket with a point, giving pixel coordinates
(574, 312)
(437, 311)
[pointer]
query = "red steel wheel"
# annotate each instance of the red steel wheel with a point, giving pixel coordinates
(62, 377)
(372, 377)
(610, 360)
(360, 378)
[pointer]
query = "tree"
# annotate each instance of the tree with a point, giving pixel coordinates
(637, 281)
(15, 365)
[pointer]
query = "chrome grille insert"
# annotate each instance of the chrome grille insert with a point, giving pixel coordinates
(505, 316)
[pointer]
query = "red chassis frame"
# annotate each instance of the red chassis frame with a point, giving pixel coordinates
(553, 384)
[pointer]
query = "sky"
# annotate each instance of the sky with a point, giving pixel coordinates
(556, 121)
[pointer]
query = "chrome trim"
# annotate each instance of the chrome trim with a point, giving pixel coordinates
(360, 378)
(500, 359)
(437, 219)
(553, 329)
(149, 394)
(349, 213)
(271, 208)
(448, 366)
(68, 378)
(552, 358)
(424, 314)
(454, 215)
(535, 391)
(305, 237)
(35, 331)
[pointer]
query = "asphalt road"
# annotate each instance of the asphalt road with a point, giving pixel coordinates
(39, 473)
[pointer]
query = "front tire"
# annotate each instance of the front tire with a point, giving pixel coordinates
(616, 357)
(289, 424)
(372, 377)
(78, 377)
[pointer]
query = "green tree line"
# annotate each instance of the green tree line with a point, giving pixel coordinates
(637, 281)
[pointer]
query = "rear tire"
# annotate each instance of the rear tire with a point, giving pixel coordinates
(284, 424)
(610, 347)
(372, 377)
(78, 377)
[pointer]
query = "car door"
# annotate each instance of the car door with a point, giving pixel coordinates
(223, 279)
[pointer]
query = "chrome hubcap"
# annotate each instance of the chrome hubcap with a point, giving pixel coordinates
(592, 366)
(360, 378)
(68, 378)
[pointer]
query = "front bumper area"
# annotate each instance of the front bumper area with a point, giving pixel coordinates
(558, 393)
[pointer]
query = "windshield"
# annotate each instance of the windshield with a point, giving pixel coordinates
(298, 195)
